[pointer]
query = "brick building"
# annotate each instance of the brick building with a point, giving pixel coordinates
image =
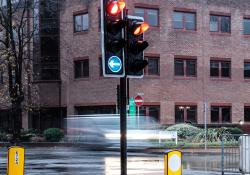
(198, 56)
(199, 64)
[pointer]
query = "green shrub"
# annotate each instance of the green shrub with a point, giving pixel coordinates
(214, 135)
(184, 131)
(53, 134)
(234, 130)
(3, 137)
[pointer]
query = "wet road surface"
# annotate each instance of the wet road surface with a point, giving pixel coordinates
(75, 161)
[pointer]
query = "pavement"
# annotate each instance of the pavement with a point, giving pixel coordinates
(80, 161)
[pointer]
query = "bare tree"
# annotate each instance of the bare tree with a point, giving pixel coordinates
(17, 31)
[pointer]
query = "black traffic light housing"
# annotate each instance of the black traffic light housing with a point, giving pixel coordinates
(113, 42)
(135, 47)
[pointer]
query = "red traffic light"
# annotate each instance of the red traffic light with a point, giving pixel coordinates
(115, 7)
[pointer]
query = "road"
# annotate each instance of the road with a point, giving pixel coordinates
(76, 161)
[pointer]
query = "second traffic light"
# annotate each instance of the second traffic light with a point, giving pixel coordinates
(113, 41)
(135, 47)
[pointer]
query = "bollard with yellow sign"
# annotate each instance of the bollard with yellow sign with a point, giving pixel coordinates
(173, 163)
(15, 161)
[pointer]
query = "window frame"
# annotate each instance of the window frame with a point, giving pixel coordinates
(145, 110)
(185, 67)
(219, 16)
(246, 107)
(145, 9)
(146, 70)
(81, 62)
(184, 12)
(220, 119)
(245, 18)
(246, 62)
(185, 107)
(220, 61)
(81, 14)
(1, 77)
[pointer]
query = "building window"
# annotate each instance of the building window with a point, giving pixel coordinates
(153, 67)
(246, 26)
(82, 68)
(185, 113)
(247, 113)
(184, 20)
(81, 22)
(185, 67)
(150, 15)
(151, 111)
(100, 67)
(220, 24)
(247, 70)
(1, 77)
(220, 114)
(220, 68)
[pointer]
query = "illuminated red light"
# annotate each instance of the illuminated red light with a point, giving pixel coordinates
(116, 7)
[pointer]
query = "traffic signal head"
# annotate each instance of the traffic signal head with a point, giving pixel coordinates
(136, 46)
(113, 41)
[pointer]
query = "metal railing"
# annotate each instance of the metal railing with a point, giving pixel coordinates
(235, 152)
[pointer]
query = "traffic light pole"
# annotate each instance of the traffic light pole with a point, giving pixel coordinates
(123, 124)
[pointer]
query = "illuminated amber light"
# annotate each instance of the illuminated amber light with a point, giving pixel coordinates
(122, 5)
(141, 29)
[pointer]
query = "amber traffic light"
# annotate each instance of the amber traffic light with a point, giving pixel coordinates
(136, 46)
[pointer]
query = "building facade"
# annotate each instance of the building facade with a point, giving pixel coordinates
(198, 54)
(198, 60)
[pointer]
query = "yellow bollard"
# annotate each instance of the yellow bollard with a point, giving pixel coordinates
(173, 163)
(15, 164)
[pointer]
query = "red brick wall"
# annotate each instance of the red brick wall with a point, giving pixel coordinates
(167, 42)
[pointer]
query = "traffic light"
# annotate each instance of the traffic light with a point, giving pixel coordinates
(113, 42)
(136, 46)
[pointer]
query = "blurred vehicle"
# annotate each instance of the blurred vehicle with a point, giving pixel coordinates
(104, 129)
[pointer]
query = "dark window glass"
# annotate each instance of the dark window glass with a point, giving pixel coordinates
(246, 70)
(246, 26)
(185, 114)
(82, 68)
(49, 47)
(220, 114)
(86, 110)
(100, 67)
(226, 114)
(150, 15)
(225, 69)
(191, 114)
(178, 20)
(215, 112)
(99, 18)
(81, 22)
(220, 68)
(153, 66)
(191, 67)
(247, 114)
(179, 67)
(225, 24)
(179, 114)
(214, 23)
(154, 111)
(1, 77)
